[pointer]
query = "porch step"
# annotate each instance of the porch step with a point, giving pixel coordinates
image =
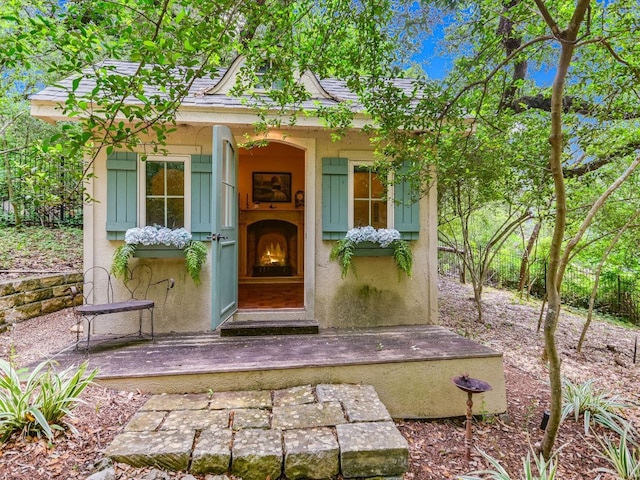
(247, 328)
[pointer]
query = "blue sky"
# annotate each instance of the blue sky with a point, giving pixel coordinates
(437, 65)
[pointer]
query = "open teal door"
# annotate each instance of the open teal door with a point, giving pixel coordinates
(224, 238)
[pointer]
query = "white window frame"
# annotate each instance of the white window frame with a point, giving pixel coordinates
(142, 186)
(359, 158)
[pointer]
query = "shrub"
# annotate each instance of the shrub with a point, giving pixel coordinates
(36, 403)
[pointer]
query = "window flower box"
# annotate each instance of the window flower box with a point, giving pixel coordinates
(160, 242)
(369, 242)
(158, 251)
(370, 249)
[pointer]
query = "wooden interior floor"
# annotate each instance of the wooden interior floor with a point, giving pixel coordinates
(270, 295)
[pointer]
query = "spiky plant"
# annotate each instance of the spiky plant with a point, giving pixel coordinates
(601, 408)
(624, 457)
(36, 402)
(547, 469)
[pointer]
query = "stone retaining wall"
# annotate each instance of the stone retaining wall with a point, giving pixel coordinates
(28, 297)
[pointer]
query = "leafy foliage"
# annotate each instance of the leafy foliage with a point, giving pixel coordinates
(403, 256)
(195, 254)
(342, 252)
(121, 257)
(36, 403)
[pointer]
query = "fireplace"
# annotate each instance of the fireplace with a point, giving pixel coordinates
(272, 248)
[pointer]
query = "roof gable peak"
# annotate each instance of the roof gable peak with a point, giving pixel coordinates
(229, 80)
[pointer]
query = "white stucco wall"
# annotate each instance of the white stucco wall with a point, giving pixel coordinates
(376, 297)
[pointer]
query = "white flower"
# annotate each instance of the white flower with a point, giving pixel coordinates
(157, 235)
(383, 236)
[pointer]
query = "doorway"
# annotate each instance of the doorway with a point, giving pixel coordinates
(271, 234)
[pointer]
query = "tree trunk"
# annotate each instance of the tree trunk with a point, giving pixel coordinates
(10, 191)
(567, 43)
(596, 283)
(524, 264)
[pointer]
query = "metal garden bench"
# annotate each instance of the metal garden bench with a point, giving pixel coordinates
(137, 283)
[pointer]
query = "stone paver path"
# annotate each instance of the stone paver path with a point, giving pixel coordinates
(301, 432)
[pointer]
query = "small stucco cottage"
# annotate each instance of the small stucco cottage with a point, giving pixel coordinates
(270, 214)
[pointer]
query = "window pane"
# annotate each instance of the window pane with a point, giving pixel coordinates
(175, 212)
(377, 187)
(175, 178)
(360, 213)
(155, 178)
(155, 211)
(379, 214)
(360, 183)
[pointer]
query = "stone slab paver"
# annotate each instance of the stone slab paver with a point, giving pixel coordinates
(372, 449)
(247, 399)
(307, 416)
(258, 434)
(257, 454)
(251, 418)
(196, 420)
(294, 396)
(177, 402)
(145, 421)
(166, 449)
(311, 453)
(212, 453)
(361, 402)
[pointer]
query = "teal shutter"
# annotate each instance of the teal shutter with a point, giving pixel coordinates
(201, 203)
(122, 194)
(335, 201)
(406, 211)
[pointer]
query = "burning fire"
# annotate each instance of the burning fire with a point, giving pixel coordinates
(273, 255)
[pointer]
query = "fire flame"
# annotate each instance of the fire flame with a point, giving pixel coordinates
(273, 255)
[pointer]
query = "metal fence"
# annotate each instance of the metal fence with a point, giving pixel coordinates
(617, 295)
(30, 174)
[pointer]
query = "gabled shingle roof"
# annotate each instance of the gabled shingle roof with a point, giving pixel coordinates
(197, 96)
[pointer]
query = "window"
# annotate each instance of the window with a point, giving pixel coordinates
(264, 73)
(351, 196)
(164, 190)
(368, 207)
(187, 203)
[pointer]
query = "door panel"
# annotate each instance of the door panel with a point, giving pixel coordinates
(225, 227)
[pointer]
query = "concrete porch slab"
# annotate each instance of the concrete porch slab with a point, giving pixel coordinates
(410, 367)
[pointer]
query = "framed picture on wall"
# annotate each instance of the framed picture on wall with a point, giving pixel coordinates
(271, 187)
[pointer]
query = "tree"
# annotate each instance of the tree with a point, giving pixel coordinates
(486, 191)
(587, 106)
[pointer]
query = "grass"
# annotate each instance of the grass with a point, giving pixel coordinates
(39, 248)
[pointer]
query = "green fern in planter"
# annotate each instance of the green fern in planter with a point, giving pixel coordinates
(195, 254)
(342, 251)
(120, 265)
(403, 256)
